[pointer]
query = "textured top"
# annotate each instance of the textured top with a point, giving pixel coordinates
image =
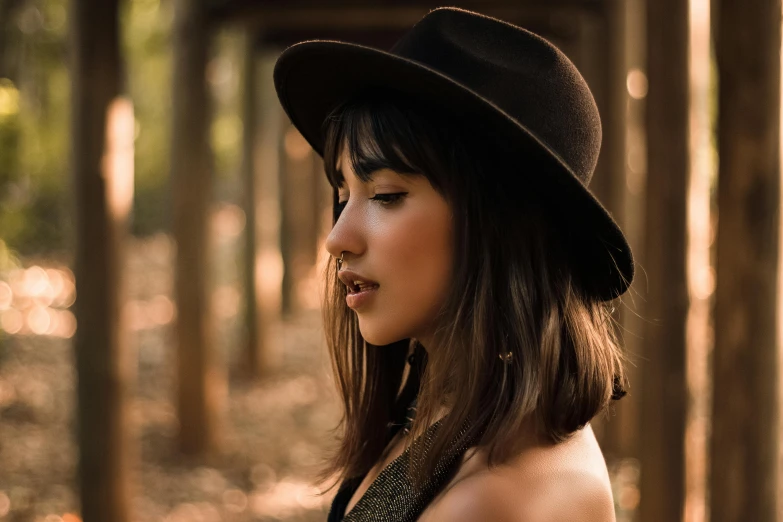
(391, 497)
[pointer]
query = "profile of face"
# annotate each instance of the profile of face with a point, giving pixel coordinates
(395, 230)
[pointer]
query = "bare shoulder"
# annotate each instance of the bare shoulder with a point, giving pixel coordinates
(561, 483)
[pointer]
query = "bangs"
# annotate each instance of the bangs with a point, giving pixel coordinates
(382, 130)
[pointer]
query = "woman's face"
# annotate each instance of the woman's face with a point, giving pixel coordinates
(396, 231)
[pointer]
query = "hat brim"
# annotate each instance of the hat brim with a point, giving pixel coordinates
(312, 77)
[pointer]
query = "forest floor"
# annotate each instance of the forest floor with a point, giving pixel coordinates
(273, 433)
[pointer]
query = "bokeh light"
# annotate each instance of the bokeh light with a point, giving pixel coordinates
(234, 500)
(12, 321)
(161, 310)
(637, 84)
(35, 301)
(228, 221)
(6, 296)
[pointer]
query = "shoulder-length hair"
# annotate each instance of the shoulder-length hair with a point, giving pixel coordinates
(516, 290)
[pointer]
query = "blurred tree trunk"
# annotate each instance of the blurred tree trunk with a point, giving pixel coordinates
(200, 382)
(102, 169)
(663, 379)
(289, 191)
(261, 121)
(286, 223)
(746, 408)
(261, 109)
(251, 364)
(700, 273)
(625, 433)
(298, 236)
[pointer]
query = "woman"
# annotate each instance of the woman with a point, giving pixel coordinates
(466, 243)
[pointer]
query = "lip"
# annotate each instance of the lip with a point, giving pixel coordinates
(359, 299)
(349, 276)
(354, 298)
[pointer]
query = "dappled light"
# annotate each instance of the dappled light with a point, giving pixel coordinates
(35, 301)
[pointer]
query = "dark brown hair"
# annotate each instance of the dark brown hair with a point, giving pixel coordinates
(515, 290)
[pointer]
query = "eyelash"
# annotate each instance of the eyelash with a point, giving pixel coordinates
(380, 198)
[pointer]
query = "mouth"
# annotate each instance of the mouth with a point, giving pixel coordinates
(360, 295)
(354, 288)
(356, 283)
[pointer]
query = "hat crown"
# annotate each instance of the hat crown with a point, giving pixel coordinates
(519, 72)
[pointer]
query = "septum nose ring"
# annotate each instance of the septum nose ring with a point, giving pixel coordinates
(340, 261)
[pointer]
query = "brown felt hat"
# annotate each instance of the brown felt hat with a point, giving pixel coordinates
(512, 83)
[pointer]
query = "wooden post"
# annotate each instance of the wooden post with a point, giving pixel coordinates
(102, 170)
(250, 363)
(200, 381)
(266, 257)
(700, 273)
(286, 223)
(746, 408)
(664, 385)
(298, 236)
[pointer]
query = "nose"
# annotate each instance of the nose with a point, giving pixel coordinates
(347, 234)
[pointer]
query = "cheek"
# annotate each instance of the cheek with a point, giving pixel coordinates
(418, 258)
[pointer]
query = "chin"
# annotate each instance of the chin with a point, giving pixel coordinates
(379, 336)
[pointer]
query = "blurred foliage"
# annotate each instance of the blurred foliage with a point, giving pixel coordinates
(34, 95)
(35, 194)
(146, 33)
(8, 259)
